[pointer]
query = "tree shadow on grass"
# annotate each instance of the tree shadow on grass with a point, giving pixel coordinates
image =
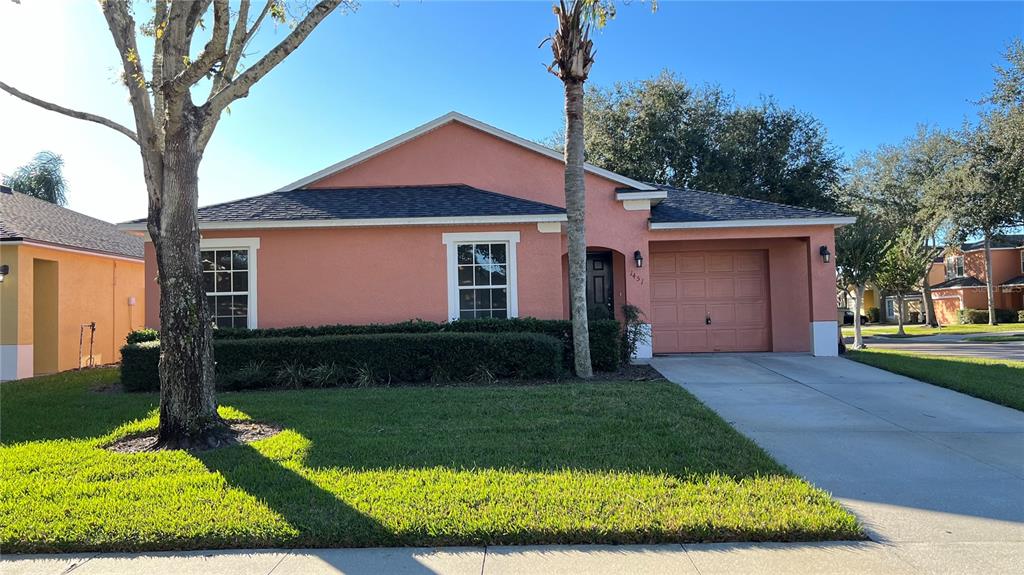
(319, 516)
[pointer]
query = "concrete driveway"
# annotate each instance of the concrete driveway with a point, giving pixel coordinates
(952, 345)
(937, 474)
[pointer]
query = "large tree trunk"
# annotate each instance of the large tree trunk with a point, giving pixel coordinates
(900, 310)
(990, 288)
(929, 304)
(858, 299)
(575, 203)
(188, 406)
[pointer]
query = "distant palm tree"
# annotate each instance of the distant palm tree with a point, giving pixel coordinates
(42, 178)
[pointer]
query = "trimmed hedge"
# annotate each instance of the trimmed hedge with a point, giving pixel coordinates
(364, 360)
(140, 366)
(141, 335)
(1020, 316)
(981, 316)
(605, 334)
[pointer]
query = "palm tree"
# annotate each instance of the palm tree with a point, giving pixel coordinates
(573, 55)
(42, 178)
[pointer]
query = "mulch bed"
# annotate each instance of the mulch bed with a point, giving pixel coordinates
(240, 432)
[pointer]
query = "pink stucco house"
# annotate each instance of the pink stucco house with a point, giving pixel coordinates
(458, 219)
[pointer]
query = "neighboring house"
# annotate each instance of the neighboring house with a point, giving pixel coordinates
(959, 281)
(62, 270)
(458, 219)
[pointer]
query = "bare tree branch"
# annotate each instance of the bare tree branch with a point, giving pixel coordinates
(122, 28)
(214, 51)
(69, 112)
(239, 36)
(239, 88)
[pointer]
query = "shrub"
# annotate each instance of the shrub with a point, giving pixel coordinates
(874, 314)
(142, 335)
(605, 334)
(363, 360)
(1020, 316)
(634, 332)
(140, 366)
(981, 316)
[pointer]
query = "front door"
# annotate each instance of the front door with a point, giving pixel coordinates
(599, 286)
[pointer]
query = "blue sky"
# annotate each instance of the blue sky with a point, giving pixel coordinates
(869, 71)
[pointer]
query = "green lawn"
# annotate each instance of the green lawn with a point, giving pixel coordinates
(944, 330)
(636, 462)
(997, 338)
(998, 381)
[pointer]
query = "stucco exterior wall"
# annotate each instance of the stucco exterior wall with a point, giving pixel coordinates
(89, 288)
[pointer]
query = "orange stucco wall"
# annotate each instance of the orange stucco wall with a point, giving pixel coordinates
(384, 274)
(1006, 264)
(90, 288)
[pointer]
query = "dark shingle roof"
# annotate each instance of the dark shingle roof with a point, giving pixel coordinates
(438, 201)
(1000, 241)
(696, 206)
(1017, 281)
(967, 281)
(23, 217)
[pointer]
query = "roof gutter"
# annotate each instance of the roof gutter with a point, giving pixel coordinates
(362, 222)
(838, 221)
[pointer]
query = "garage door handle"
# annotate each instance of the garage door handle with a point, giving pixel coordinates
(707, 320)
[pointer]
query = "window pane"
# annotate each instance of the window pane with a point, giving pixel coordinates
(498, 253)
(499, 313)
(207, 258)
(223, 281)
(465, 253)
(240, 259)
(223, 260)
(211, 304)
(241, 321)
(466, 299)
(483, 298)
(239, 281)
(240, 305)
(224, 322)
(465, 275)
(499, 298)
(208, 282)
(498, 276)
(223, 305)
(483, 277)
(482, 253)
(466, 314)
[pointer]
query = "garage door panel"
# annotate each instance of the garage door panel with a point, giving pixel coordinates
(721, 288)
(691, 264)
(693, 288)
(730, 286)
(664, 290)
(663, 263)
(750, 287)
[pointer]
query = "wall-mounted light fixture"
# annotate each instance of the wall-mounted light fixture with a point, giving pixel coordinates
(825, 255)
(4, 270)
(638, 258)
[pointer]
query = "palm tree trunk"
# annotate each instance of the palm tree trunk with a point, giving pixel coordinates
(858, 299)
(188, 406)
(990, 288)
(575, 203)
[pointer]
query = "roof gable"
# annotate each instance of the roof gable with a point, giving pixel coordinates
(467, 121)
(683, 208)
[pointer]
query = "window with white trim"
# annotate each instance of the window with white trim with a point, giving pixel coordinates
(483, 280)
(226, 283)
(481, 275)
(954, 267)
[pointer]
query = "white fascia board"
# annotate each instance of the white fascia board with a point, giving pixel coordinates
(437, 123)
(652, 195)
(837, 221)
(368, 222)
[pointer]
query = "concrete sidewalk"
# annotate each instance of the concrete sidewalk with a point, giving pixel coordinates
(706, 559)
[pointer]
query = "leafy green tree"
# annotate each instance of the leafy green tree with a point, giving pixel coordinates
(860, 251)
(986, 184)
(903, 267)
(41, 178)
(665, 131)
(173, 125)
